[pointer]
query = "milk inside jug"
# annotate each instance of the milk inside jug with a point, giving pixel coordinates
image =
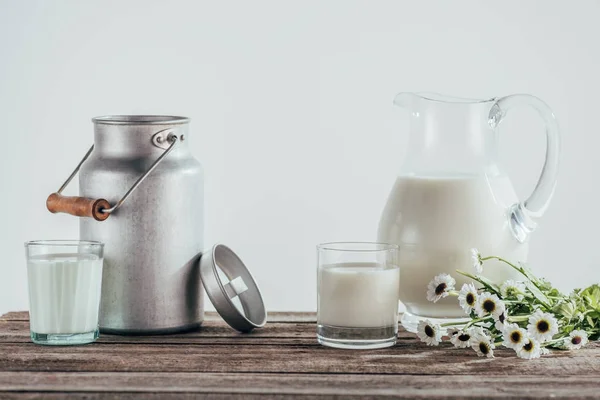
(451, 196)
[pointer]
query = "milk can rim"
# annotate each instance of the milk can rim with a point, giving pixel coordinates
(140, 120)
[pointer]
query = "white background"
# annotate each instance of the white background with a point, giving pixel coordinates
(292, 114)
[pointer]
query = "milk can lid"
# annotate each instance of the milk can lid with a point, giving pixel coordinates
(232, 289)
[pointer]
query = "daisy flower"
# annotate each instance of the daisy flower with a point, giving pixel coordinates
(544, 351)
(477, 263)
(483, 346)
(530, 349)
(467, 298)
(500, 320)
(488, 303)
(452, 331)
(514, 336)
(439, 287)
(542, 326)
(512, 288)
(462, 338)
(576, 340)
(478, 331)
(429, 333)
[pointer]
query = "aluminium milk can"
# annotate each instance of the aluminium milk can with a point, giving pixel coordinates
(141, 193)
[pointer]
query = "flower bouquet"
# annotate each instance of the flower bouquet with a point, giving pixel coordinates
(529, 316)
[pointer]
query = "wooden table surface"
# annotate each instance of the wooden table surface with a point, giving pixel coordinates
(282, 359)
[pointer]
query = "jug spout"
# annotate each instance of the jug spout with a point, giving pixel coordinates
(405, 100)
(410, 99)
(448, 135)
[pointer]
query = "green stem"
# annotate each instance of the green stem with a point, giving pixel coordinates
(478, 279)
(452, 324)
(518, 318)
(530, 278)
(516, 268)
(504, 261)
(474, 321)
(549, 342)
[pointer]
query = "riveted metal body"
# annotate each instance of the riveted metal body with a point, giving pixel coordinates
(154, 239)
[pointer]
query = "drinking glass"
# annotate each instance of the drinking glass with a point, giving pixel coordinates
(65, 278)
(357, 295)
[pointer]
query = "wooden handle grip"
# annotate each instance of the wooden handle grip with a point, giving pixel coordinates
(78, 206)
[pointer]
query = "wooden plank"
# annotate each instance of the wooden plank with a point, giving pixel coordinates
(216, 332)
(281, 359)
(185, 396)
(403, 386)
(409, 357)
(292, 317)
(159, 396)
(211, 332)
(15, 316)
(276, 316)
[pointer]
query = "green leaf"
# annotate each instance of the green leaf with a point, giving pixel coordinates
(484, 281)
(568, 328)
(525, 270)
(590, 321)
(488, 283)
(591, 296)
(566, 309)
(545, 285)
(593, 318)
(541, 297)
(555, 293)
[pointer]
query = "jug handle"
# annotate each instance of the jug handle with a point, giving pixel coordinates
(100, 209)
(523, 216)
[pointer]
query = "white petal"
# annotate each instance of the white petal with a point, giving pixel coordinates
(499, 308)
(437, 334)
(534, 352)
(535, 318)
(568, 341)
(476, 343)
(476, 258)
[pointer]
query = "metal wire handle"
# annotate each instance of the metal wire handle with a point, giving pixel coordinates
(171, 138)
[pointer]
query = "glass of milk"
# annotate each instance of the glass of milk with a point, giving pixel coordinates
(65, 279)
(357, 295)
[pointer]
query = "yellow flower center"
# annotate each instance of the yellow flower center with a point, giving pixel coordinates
(429, 331)
(440, 288)
(484, 348)
(515, 337)
(470, 299)
(543, 326)
(489, 305)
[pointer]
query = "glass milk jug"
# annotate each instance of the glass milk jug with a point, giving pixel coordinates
(451, 196)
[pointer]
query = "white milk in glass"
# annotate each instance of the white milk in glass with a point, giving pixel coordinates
(64, 293)
(436, 220)
(358, 295)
